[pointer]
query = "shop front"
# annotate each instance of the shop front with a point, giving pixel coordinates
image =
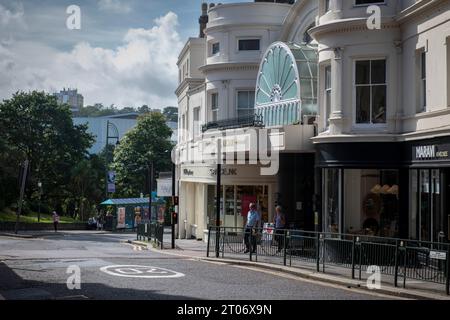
(241, 185)
(429, 173)
(363, 188)
(391, 189)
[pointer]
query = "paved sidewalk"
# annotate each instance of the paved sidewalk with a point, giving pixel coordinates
(46, 233)
(334, 275)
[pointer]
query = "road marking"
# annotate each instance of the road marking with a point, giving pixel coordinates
(136, 271)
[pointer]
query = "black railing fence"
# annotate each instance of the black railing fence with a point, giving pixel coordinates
(402, 259)
(151, 232)
(251, 120)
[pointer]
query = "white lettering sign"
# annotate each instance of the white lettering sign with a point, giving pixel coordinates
(425, 152)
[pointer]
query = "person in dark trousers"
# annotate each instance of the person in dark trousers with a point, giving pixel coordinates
(280, 225)
(253, 222)
(55, 217)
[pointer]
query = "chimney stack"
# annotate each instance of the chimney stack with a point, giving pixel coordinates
(203, 20)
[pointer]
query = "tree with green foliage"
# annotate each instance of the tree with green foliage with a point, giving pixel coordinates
(87, 183)
(171, 113)
(148, 142)
(34, 126)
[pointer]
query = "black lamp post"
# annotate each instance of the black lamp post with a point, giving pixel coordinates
(150, 171)
(39, 205)
(114, 135)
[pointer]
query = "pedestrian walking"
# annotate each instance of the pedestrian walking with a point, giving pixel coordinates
(251, 228)
(55, 217)
(280, 225)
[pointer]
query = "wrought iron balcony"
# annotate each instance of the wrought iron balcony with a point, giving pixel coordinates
(253, 120)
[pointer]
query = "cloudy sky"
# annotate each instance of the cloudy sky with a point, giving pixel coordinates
(124, 54)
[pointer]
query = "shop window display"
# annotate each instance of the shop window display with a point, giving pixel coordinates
(237, 200)
(378, 212)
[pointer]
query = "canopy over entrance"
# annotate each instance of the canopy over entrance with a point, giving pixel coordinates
(286, 87)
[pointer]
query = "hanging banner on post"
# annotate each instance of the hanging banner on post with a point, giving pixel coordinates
(111, 181)
(164, 187)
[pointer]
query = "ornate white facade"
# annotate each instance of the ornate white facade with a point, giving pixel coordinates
(378, 97)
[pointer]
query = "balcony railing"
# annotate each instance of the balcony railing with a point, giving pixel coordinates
(253, 120)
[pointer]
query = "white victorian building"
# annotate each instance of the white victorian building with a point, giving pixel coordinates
(239, 84)
(384, 131)
(357, 118)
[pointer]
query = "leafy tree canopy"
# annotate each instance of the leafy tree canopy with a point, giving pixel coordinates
(148, 142)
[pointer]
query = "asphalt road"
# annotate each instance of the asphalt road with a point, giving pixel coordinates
(37, 269)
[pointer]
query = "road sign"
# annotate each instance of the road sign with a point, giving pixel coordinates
(164, 187)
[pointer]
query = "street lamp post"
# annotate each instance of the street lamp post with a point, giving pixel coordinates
(39, 205)
(150, 168)
(110, 127)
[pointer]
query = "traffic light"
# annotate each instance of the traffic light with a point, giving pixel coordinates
(174, 217)
(175, 200)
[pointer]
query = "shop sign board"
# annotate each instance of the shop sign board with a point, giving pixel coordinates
(431, 152)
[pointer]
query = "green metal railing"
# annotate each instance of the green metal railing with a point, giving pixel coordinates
(151, 232)
(406, 259)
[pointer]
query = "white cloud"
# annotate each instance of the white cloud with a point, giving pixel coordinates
(12, 17)
(117, 6)
(142, 70)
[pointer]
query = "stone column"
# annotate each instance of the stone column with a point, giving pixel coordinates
(337, 113)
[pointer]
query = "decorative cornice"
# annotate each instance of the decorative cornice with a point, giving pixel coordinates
(401, 137)
(350, 25)
(419, 9)
(238, 26)
(228, 66)
(197, 89)
(187, 83)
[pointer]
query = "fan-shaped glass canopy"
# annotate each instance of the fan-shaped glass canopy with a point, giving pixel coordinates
(286, 87)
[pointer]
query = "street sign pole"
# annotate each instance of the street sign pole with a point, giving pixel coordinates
(151, 188)
(173, 203)
(22, 191)
(106, 160)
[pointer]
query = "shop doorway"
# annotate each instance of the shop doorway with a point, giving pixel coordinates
(233, 211)
(432, 208)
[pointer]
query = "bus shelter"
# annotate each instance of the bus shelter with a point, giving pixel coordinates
(123, 214)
